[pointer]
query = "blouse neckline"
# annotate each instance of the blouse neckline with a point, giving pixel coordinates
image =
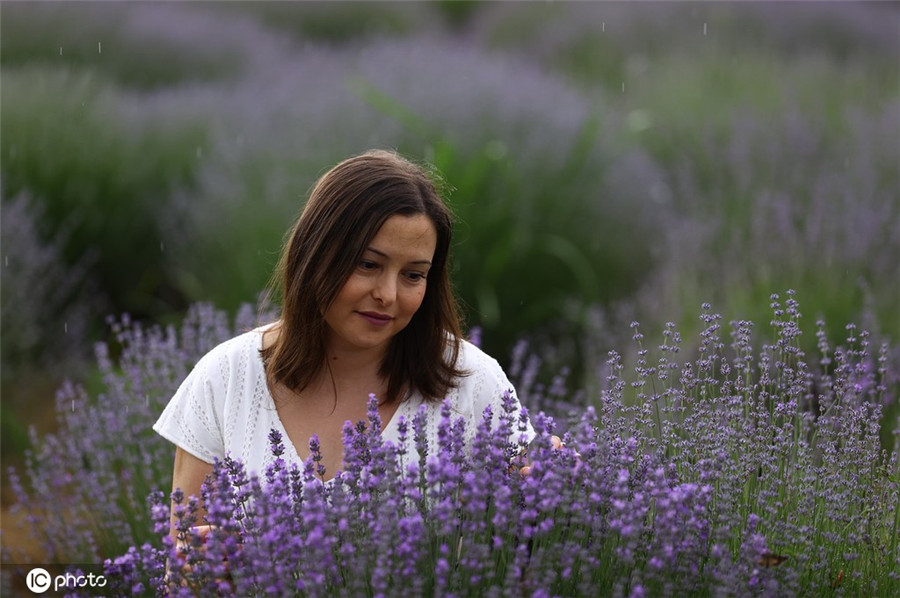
(388, 432)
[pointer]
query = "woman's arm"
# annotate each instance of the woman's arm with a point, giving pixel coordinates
(190, 473)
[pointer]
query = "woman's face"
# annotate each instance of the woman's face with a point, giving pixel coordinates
(386, 287)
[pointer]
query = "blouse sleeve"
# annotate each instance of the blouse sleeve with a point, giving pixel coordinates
(490, 385)
(193, 418)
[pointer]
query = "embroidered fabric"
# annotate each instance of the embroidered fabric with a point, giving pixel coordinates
(224, 406)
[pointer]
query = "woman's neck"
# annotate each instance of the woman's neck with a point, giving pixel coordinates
(346, 370)
(354, 366)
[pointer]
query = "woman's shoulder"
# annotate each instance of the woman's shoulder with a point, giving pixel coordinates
(471, 357)
(482, 372)
(483, 385)
(236, 348)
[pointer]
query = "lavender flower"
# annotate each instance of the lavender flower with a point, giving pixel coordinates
(743, 485)
(87, 474)
(746, 468)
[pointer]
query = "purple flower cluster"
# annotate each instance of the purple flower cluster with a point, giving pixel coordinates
(84, 488)
(745, 468)
(455, 520)
(742, 471)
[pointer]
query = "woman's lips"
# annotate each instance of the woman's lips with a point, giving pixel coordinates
(375, 318)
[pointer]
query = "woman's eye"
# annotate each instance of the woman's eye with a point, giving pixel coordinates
(415, 276)
(367, 265)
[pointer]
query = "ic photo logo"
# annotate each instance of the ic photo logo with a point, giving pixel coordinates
(39, 580)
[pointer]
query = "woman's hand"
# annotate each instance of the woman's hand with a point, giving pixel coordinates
(201, 531)
(526, 469)
(184, 546)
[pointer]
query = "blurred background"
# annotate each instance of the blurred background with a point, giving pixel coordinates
(606, 162)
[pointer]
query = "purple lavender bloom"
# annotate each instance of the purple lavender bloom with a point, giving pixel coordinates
(87, 473)
(760, 473)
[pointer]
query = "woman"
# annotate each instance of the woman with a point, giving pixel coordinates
(367, 308)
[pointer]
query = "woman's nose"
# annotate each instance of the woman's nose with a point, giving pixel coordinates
(385, 289)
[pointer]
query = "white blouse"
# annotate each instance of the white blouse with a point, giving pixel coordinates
(224, 405)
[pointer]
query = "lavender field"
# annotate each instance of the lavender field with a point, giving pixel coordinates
(678, 229)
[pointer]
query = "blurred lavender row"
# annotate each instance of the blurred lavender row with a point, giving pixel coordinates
(45, 306)
(214, 121)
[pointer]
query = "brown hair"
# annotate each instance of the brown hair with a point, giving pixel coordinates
(345, 210)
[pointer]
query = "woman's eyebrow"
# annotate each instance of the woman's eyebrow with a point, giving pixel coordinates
(386, 256)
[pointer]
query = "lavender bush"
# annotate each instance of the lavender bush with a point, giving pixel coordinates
(608, 43)
(749, 222)
(46, 305)
(145, 47)
(46, 308)
(342, 23)
(101, 168)
(93, 475)
(771, 128)
(742, 471)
